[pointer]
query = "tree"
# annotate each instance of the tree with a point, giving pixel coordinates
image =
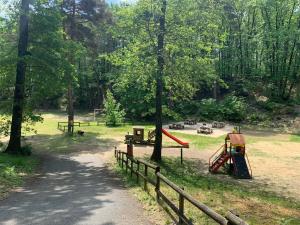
(80, 20)
(14, 145)
(156, 155)
(113, 113)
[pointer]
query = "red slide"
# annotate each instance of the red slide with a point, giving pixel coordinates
(185, 144)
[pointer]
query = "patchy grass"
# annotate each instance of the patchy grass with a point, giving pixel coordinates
(64, 144)
(254, 204)
(198, 141)
(295, 138)
(13, 169)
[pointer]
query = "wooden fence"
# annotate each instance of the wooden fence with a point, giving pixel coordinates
(63, 126)
(134, 166)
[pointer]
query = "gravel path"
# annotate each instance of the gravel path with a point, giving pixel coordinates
(73, 190)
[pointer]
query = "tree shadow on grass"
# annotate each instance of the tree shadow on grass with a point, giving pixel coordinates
(71, 191)
(63, 144)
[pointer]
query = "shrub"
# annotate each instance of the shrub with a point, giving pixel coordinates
(113, 113)
(4, 126)
(209, 109)
(169, 114)
(232, 108)
(26, 150)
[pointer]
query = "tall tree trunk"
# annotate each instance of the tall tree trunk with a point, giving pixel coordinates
(70, 109)
(70, 85)
(156, 155)
(14, 145)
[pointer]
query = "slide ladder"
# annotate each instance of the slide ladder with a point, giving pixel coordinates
(240, 167)
(221, 158)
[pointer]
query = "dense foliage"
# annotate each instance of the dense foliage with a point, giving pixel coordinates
(218, 56)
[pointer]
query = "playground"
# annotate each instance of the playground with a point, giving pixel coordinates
(274, 160)
(274, 157)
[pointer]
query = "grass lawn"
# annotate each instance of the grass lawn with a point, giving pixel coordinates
(198, 141)
(13, 169)
(295, 138)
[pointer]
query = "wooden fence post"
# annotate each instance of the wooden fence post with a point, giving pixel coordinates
(131, 167)
(157, 187)
(181, 208)
(122, 160)
(119, 156)
(137, 170)
(126, 163)
(146, 175)
(115, 151)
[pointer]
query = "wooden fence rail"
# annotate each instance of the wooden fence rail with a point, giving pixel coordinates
(140, 169)
(63, 126)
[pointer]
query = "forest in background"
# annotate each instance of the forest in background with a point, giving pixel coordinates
(235, 60)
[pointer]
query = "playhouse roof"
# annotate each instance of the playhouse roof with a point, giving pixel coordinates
(236, 139)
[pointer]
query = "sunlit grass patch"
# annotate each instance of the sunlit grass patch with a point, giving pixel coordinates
(198, 141)
(295, 138)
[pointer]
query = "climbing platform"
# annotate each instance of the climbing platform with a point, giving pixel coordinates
(232, 156)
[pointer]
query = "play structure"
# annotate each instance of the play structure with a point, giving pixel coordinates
(232, 156)
(138, 137)
(204, 129)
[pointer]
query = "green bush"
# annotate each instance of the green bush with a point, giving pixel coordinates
(255, 118)
(114, 115)
(26, 150)
(232, 108)
(169, 114)
(209, 109)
